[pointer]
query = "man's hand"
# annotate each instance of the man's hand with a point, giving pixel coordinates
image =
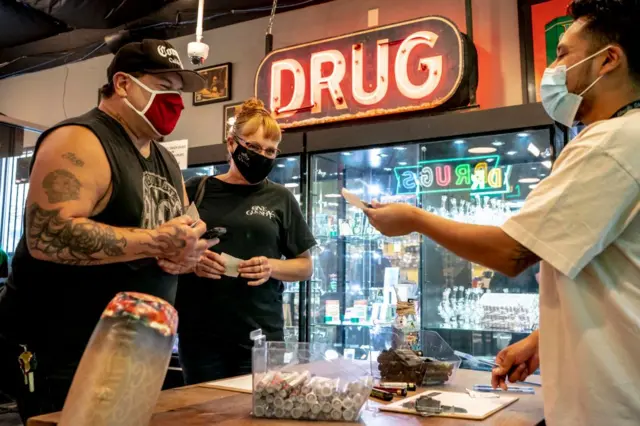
(516, 362)
(258, 269)
(173, 268)
(178, 241)
(211, 266)
(392, 220)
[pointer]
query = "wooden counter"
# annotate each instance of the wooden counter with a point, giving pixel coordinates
(199, 406)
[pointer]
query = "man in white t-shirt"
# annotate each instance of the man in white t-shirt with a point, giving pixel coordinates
(581, 222)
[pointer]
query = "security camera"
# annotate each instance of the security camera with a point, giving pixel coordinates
(198, 52)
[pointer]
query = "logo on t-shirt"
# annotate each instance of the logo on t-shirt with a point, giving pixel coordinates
(161, 201)
(261, 211)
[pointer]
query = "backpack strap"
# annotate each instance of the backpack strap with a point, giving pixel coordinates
(200, 191)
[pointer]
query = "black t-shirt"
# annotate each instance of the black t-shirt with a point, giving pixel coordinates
(58, 305)
(261, 220)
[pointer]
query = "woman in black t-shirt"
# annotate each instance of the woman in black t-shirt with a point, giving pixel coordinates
(266, 229)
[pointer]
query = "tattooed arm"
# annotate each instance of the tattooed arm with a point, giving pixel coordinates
(489, 246)
(69, 183)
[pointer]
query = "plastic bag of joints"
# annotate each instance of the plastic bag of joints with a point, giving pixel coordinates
(124, 365)
(305, 381)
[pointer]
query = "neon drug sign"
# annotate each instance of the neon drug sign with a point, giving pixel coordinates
(416, 65)
(471, 174)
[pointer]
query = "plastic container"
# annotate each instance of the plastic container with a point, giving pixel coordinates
(434, 364)
(305, 381)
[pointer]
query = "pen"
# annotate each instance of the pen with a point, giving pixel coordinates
(512, 389)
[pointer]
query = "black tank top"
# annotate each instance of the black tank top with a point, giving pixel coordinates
(59, 305)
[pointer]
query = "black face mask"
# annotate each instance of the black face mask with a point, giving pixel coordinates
(252, 166)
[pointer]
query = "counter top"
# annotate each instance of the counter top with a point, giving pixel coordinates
(198, 405)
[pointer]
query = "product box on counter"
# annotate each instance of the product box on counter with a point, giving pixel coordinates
(434, 364)
(306, 381)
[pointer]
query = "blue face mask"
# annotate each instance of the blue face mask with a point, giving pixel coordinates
(561, 105)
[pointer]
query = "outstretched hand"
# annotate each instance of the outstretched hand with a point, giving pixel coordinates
(392, 220)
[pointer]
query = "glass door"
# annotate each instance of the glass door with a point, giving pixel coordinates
(359, 274)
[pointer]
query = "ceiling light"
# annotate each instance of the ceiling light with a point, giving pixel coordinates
(458, 142)
(482, 150)
(512, 152)
(281, 165)
(387, 169)
(399, 148)
(497, 143)
(291, 185)
(489, 160)
(295, 177)
(291, 159)
(332, 196)
(534, 168)
(333, 204)
(532, 186)
(529, 180)
(547, 164)
(523, 134)
(384, 155)
(533, 149)
(402, 163)
(346, 153)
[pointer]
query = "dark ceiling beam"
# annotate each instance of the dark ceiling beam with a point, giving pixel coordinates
(86, 40)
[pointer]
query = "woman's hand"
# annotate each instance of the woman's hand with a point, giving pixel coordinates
(211, 266)
(258, 269)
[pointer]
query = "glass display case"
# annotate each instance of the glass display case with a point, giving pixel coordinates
(286, 172)
(361, 276)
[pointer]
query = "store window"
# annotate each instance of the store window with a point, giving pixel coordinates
(360, 275)
(14, 185)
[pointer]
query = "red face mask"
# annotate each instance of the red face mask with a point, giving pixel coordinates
(162, 111)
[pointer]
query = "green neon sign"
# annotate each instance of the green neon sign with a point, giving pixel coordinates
(481, 175)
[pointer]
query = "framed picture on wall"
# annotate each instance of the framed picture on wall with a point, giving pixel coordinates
(218, 87)
(229, 116)
(542, 24)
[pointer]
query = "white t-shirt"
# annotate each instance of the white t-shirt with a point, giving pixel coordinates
(583, 222)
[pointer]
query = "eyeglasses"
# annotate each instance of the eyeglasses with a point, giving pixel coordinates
(267, 152)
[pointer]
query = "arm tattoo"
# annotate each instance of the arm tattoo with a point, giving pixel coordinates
(166, 243)
(523, 257)
(64, 241)
(60, 186)
(73, 159)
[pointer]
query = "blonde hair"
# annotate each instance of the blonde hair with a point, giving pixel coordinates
(251, 117)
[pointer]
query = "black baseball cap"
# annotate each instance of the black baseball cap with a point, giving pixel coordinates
(154, 57)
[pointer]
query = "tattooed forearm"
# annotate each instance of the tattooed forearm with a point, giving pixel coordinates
(60, 186)
(69, 241)
(73, 159)
(166, 243)
(523, 258)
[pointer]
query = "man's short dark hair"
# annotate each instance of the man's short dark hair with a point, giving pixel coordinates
(108, 90)
(613, 21)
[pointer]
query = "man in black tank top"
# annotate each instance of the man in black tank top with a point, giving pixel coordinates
(105, 203)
